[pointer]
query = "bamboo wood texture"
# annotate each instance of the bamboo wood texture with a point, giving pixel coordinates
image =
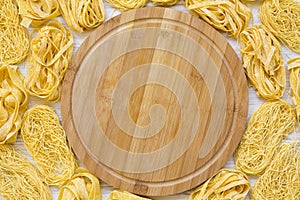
(154, 102)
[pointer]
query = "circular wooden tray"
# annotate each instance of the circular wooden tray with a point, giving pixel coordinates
(155, 101)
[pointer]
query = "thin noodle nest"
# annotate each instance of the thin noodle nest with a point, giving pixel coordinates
(13, 102)
(164, 2)
(228, 184)
(46, 141)
(294, 68)
(125, 5)
(19, 179)
(8, 12)
(267, 127)
(262, 60)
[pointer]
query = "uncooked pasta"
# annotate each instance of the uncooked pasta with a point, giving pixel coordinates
(124, 5)
(37, 12)
(281, 181)
(19, 179)
(123, 195)
(8, 12)
(281, 17)
(230, 16)
(164, 2)
(51, 53)
(82, 15)
(267, 127)
(45, 139)
(294, 68)
(83, 185)
(262, 60)
(13, 102)
(228, 184)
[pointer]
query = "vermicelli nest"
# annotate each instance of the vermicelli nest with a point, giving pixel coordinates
(230, 184)
(281, 181)
(262, 60)
(13, 102)
(124, 5)
(37, 12)
(8, 12)
(83, 185)
(267, 127)
(230, 16)
(19, 179)
(45, 139)
(294, 68)
(164, 2)
(281, 17)
(51, 53)
(82, 15)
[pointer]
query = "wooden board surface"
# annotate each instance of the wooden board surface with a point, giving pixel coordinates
(155, 101)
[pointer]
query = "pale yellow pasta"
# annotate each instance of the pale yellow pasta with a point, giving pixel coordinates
(13, 102)
(37, 12)
(267, 127)
(164, 2)
(294, 68)
(227, 184)
(19, 179)
(124, 5)
(230, 16)
(282, 18)
(281, 181)
(262, 60)
(83, 185)
(51, 53)
(123, 195)
(8, 12)
(82, 15)
(45, 140)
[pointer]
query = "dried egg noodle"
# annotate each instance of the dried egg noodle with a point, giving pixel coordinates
(230, 184)
(123, 195)
(19, 179)
(83, 185)
(82, 15)
(262, 60)
(164, 2)
(230, 16)
(282, 18)
(124, 5)
(51, 53)
(8, 12)
(281, 181)
(46, 141)
(13, 102)
(294, 68)
(267, 127)
(37, 12)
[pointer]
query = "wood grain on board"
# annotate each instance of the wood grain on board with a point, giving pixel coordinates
(155, 101)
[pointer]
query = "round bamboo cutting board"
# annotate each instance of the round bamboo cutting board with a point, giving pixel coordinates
(155, 101)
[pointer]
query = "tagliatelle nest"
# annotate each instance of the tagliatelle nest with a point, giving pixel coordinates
(281, 17)
(294, 68)
(226, 184)
(19, 179)
(262, 60)
(123, 195)
(124, 5)
(267, 127)
(45, 139)
(82, 15)
(230, 16)
(51, 53)
(13, 102)
(281, 181)
(83, 185)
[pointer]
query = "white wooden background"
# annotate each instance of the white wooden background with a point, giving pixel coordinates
(254, 101)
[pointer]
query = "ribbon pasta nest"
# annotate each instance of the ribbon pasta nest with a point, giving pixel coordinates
(83, 185)
(267, 127)
(51, 53)
(281, 180)
(82, 15)
(19, 179)
(46, 141)
(123, 195)
(294, 68)
(124, 5)
(226, 184)
(37, 12)
(13, 102)
(230, 16)
(281, 17)
(262, 60)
